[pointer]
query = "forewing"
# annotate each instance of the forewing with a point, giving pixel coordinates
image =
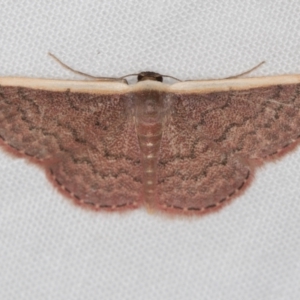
(86, 142)
(213, 142)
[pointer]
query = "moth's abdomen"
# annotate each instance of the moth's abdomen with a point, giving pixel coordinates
(149, 141)
(149, 115)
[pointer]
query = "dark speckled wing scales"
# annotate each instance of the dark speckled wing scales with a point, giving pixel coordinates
(86, 142)
(213, 142)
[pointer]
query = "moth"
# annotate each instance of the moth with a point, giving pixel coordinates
(185, 148)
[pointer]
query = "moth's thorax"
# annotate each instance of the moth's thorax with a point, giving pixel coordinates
(151, 111)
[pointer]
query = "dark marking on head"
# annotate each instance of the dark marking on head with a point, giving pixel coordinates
(149, 76)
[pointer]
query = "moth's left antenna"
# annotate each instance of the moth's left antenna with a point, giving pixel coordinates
(84, 74)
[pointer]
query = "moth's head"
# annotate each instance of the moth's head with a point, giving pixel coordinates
(149, 76)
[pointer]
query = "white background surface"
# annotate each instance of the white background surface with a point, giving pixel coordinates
(50, 249)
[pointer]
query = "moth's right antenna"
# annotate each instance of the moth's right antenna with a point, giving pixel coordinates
(234, 76)
(247, 72)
